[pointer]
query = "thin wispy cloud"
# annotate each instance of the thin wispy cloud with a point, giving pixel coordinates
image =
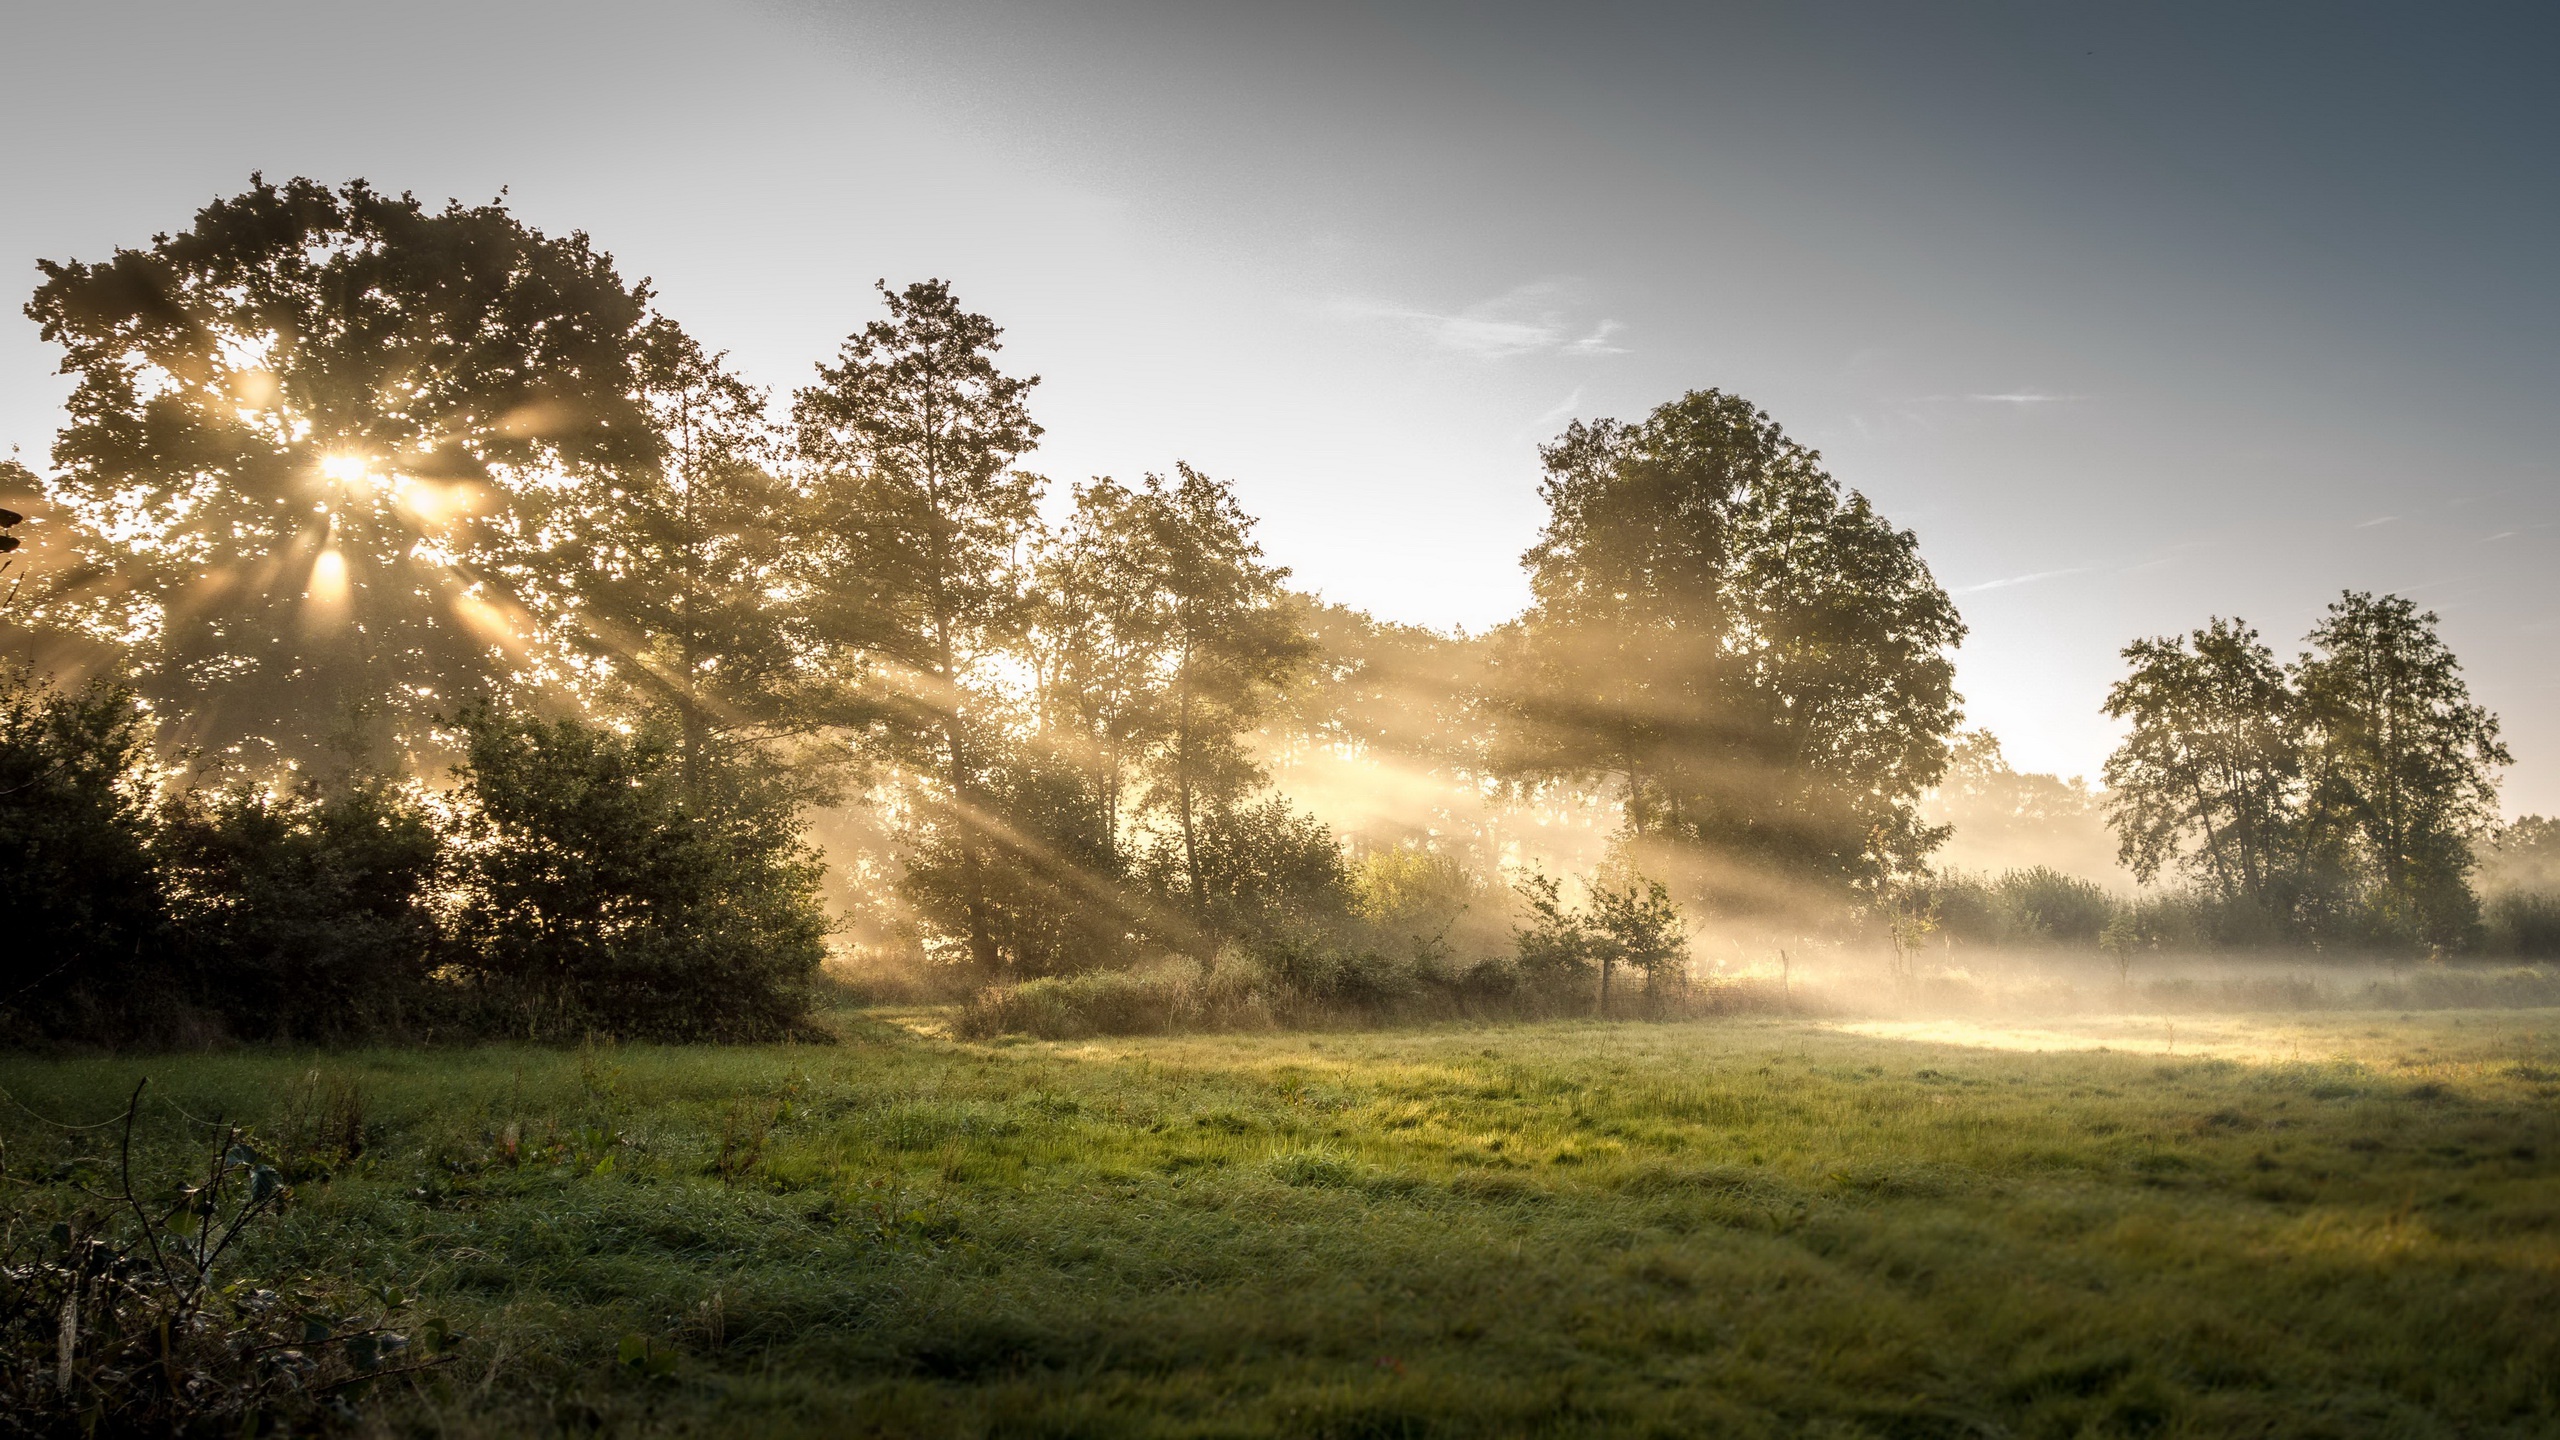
(2015, 399)
(2029, 579)
(2376, 520)
(1563, 410)
(1533, 319)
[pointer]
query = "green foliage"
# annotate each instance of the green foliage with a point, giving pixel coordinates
(914, 563)
(2519, 882)
(683, 604)
(1253, 875)
(2035, 906)
(1034, 865)
(1758, 661)
(599, 898)
(1626, 920)
(1429, 904)
(307, 914)
(2206, 775)
(1228, 643)
(86, 908)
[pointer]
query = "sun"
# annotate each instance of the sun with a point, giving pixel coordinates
(346, 469)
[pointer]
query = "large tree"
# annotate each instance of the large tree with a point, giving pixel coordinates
(296, 431)
(1756, 659)
(2406, 762)
(915, 562)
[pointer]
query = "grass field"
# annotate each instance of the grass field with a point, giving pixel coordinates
(2341, 1224)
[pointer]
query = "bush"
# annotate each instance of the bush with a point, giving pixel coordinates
(87, 952)
(1268, 876)
(307, 917)
(1628, 921)
(1229, 997)
(1429, 905)
(2035, 906)
(2525, 924)
(600, 897)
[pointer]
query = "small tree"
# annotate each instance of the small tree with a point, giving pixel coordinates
(1228, 643)
(1639, 927)
(1628, 919)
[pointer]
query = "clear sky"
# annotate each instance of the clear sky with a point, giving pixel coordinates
(2138, 314)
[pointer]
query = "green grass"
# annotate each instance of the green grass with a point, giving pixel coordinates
(2347, 1224)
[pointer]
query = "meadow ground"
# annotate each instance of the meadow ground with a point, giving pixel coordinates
(2344, 1223)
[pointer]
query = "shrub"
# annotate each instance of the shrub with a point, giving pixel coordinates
(1429, 905)
(1226, 997)
(87, 917)
(2523, 923)
(1268, 875)
(2035, 906)
(2054, 907)
(600, 897)
(1628, 921)
(306, 916)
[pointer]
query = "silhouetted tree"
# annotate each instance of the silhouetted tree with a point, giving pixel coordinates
(2405, 762)
(2208, 777)
(1100, 628)
(678, 589)
(595, 896)
(295, 431)
(915, 560)
(84, 951)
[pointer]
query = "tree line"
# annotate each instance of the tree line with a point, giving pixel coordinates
(444, 599)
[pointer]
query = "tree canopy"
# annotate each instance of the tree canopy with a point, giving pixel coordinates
(295, 439)
(1756, 659)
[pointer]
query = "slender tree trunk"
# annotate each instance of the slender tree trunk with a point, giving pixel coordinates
(973, 874)
(1182, 799)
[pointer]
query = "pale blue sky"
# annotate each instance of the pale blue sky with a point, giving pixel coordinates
(2137, 314)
